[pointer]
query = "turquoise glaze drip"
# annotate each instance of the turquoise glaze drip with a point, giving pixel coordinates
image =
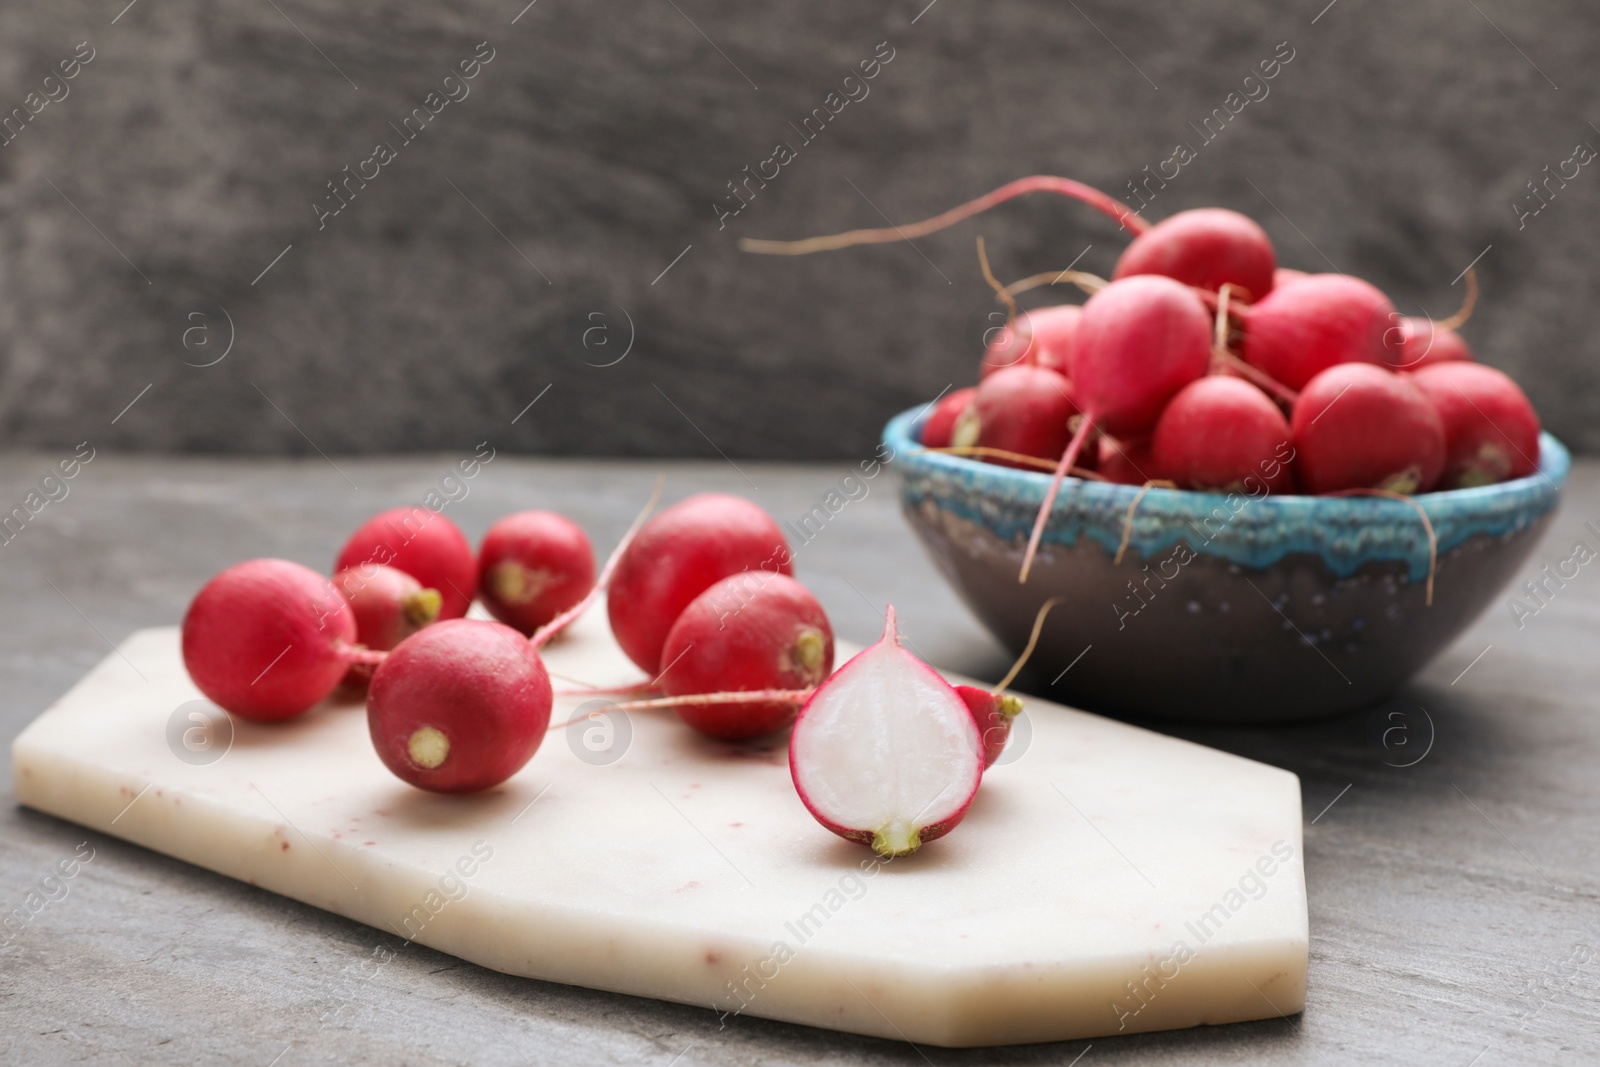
(1345, 532)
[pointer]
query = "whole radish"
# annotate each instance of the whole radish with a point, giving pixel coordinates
(267, 639)
(1026, 410)
(1424, 343)
(1310, 324)
(1491, 432)
(1142, 339)
(1223, 434)
(389, 605)
(993, 713)
(423, 544)
(460, 706)
(755, 630)
(532, 566)
(1044, 337)
(1207, 248)
(1358, 426)
(886, 752)
(1126, 462)
(678, 555)
(941, 421)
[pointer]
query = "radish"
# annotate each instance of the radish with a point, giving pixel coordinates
(532, 566)
(268, 639)
(389, 605)
(993, 713)
(1126, 462)
(1025, 410)
(1424, 343)
(1043, 337)
(886, 752)
(941, 421)
(1357, 426)
(1310, 324)
(1491, 431)
(680, 554)
(1141, 339)
(750, 631)
(460, 706)
(1222, 434)
(1207, 248)
(423, 544)
(1284, 275)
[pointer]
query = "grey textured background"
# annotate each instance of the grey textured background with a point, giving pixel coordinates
(591, 150)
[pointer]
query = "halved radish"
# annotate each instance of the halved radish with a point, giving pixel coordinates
(886, 752)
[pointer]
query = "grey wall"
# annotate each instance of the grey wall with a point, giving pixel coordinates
(595, 144)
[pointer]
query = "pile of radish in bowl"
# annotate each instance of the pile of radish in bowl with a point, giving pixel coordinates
(1264, 494)
(700, 597)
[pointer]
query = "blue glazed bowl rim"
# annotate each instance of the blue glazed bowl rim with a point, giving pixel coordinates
(1346, 532)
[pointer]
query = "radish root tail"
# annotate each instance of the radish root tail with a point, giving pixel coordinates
(1470, 301)
(1127, 520)
(1089, 283)
(1038, 183)
(1000, 292)
(1427, 525)
(1033, 641)
(1079, 436)
(1015, 457)
(544, 633)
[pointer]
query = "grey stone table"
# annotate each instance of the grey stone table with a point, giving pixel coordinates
(1455, 902)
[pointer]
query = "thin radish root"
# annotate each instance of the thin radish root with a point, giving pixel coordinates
(1000, 292)
(1089, 283)
(1033, 641)
(1127, 521)
(1470, 301)
(1038, 183)
(543, 634)
(1014, 457)
(1068, 457)
(1422, 513)
(1256, 376)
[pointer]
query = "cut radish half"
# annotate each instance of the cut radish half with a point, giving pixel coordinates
(886, 752)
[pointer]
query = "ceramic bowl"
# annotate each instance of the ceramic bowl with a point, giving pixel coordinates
(1224, 608)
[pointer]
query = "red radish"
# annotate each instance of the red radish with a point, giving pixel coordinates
(678, 555)
(1024, 409)
(389, 605)
(1126, 462)
(1223, 434)
(1043, 337)
(1207, 248)
(268, 639)
(1308, 325)
(1424, 343)
(1141, 340)
(941, 421)
(1491, 431)
(460, 706)
(423, 544)
(1357, 426)
(994, 713)
(886, 752)
(532, 566)
(1283, 275)
(755, 630)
